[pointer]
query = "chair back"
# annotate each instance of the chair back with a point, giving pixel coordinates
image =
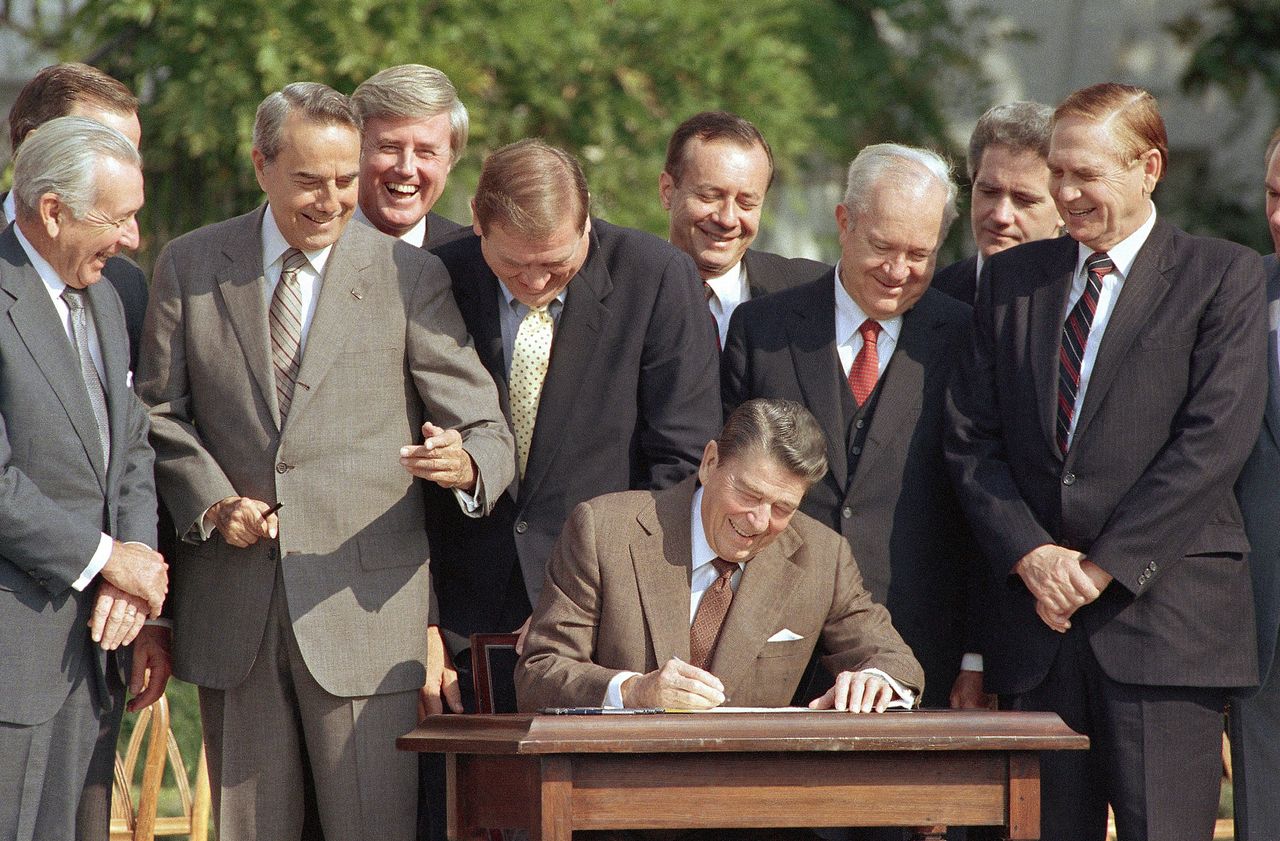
(493, 672)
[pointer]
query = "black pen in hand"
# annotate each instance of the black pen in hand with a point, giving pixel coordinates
(273, 509)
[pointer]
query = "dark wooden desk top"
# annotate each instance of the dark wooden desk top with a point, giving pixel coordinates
(920, 730)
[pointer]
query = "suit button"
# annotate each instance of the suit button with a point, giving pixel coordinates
(282, 468)
(857, 451)
(846, 512)
(522, 527)
(1069, 479)
(859, 423)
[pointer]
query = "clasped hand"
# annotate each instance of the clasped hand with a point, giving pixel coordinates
(1062, 581)
(133, 584)
(440, 458)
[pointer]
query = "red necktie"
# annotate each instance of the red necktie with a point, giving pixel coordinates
(1075, 338)
(866, 365)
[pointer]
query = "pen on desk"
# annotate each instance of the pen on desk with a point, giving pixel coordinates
(273, 509)
(600, 710)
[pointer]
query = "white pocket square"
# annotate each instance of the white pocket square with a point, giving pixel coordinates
(784, 635)
(128, 379)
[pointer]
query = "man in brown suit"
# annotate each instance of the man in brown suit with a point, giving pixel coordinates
(621, 622)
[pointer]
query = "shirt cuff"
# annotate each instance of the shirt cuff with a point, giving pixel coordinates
(613, 695)
(468, 503)
(100, 557)
(160, 623)
(905, 698)
(971, 662)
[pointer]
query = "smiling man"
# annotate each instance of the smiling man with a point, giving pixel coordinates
(415, 130)
(294, 359)
(716, 591)
(719, 168)
(1113, 388)
(1010, 203)
(868, 349)
(605, 362)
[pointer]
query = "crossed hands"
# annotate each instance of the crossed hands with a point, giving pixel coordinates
(1062, 581)
(133, 584)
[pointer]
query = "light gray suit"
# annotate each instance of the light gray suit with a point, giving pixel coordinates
(1255, 714)
(56, 499)
(342, 595)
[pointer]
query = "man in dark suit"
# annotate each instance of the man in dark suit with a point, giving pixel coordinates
(1255, 714)
(713, 185)
(716, 591)
(604, 362)
(78, 89)
(1114, 386)
(292, 359)
(414, 132)
(1010, 202)
(888, 491)
(77, 496)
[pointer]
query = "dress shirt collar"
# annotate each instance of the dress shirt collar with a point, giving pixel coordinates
(274, 246)
(52, 281)
(1124, 252)
(702, 554)
(415, 236)
(519, 309)
(849, 316)
(730, 287)
(10, 206)
(977, 270)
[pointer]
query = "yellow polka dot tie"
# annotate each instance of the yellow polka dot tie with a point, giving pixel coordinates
(529, 359)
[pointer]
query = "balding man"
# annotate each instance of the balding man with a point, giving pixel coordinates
(81, 90)
(77, 496)
(718, 171)
(869, 348)
(1010, 203)
(415, 131)
(1112, 390)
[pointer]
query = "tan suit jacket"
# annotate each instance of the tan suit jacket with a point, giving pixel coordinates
(616, 598)
(386, 350)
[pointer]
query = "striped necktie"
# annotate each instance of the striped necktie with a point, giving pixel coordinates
(1075, 338)
(285, 318)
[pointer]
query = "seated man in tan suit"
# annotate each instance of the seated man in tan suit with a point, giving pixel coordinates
(715, 591)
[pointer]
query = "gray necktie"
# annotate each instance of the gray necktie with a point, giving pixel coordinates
(88, 371)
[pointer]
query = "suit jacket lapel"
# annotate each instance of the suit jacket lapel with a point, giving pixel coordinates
(901, 391)
(478, 298)
(1271, 419)
(243, 287)
(756, 611)
(342, 292)
(661, 557)
(1047, 301)
(812, 333)
(1139, 295)
(36, 321)
(572, 350)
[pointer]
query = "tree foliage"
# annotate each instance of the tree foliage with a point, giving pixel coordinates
(606, 79)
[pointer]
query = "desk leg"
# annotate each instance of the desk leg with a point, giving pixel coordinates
(554, 818)
(1024, 796)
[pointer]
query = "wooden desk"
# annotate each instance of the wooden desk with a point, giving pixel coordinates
(555, 774)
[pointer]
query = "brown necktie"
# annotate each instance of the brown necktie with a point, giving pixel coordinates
(712, 610)
(285, 318)
(865, 369)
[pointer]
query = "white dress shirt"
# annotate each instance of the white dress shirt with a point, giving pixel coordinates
(849, 317)
(310, 275)
(730, 290)
(1122, 254)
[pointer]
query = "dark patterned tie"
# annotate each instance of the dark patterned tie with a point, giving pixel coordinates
(709, 619)
(865, 369)
(88, 371)
(285, 316)
(1075, 338)
(708, 293)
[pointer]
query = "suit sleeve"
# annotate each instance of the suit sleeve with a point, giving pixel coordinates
(859, 634)
(188, 476)
(679, 388)
(1210, 436)
(1002, 522)
(454, 385)
(556, 669)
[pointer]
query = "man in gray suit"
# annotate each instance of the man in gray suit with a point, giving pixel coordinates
(292, 363)
(1255, 714)
(77, 500)
(415, 131)
(718, 169)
